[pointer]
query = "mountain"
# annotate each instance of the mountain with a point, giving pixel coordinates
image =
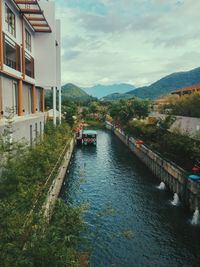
(104, 90)
(73, 92)
(116, 96)
(168, 84)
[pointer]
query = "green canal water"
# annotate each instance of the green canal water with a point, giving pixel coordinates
(130, 222)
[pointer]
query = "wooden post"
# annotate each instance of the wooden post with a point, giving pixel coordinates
(20, 97)
(1, 99)
(33, 99)
(43, 101)
(23, 51)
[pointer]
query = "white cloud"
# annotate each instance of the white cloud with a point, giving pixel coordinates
(133, 41)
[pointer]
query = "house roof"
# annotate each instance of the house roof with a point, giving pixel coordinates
(189, 89)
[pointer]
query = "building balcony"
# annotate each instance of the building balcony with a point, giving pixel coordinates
(10, 63)
(11, 54)
(29, 66)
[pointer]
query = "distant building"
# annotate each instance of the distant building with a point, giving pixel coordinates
(29, 63)
(187, 90)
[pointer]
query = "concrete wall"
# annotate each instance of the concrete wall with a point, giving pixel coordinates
(168, 172)
(184, 124)
(26, 128)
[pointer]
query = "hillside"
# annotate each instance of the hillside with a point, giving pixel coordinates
(104, 90)
(116, 96)
(73, 92)
(168, 84)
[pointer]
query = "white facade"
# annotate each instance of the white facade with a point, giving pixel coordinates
(29, 61)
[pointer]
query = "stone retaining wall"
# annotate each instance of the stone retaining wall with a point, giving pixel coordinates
(168, 172)
(57, 182)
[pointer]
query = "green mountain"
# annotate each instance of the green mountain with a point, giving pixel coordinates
(168, 84)
(70, 90)
(162, 87)
(115, 97)
(73, 92)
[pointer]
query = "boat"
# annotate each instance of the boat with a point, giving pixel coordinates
(194, 177)
(89, 137)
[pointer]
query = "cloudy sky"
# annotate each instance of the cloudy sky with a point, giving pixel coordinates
(131, 41)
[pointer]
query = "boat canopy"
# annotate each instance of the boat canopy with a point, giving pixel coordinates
(89, 132)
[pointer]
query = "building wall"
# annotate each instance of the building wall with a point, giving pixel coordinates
(18, 37)
(38, 99)
(27, 99)
(45, 74)
(44, 49)
(7, 93)
(25, 128)
(58, 54)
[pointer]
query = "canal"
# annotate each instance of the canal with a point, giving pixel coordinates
(130, 222)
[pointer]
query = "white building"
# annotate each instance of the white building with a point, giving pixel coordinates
(29, 63)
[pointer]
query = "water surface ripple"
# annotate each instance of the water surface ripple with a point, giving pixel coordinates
(130, 222)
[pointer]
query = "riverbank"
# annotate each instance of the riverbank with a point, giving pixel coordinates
(28, 175)
(55, 188)
(168, 172)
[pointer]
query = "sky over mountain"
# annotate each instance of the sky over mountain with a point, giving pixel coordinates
(129, 41)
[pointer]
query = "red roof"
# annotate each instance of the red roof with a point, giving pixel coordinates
(188, 89)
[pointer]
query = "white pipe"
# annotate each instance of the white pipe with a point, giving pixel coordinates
(54, 105)
(60, 104)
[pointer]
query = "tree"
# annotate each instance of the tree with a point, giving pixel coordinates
(124, 110)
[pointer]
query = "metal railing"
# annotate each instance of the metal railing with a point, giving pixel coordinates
(28, 73)
(10, 63)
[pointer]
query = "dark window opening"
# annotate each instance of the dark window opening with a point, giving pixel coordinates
(10, 21)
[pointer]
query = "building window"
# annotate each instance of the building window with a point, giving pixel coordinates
(29, 66)
(27, 40)
(10, 21)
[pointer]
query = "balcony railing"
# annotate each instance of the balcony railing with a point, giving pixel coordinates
(10, 63)
(28, 73)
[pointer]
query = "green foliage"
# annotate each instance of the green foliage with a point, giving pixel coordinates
(177, 147)
(116, 97)
(70, 112)
(75, 93)
(25, 239)
(93, 107)
(72, 91)
(48, 99)
(167, 122)
(123, 111)
(187, 105)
